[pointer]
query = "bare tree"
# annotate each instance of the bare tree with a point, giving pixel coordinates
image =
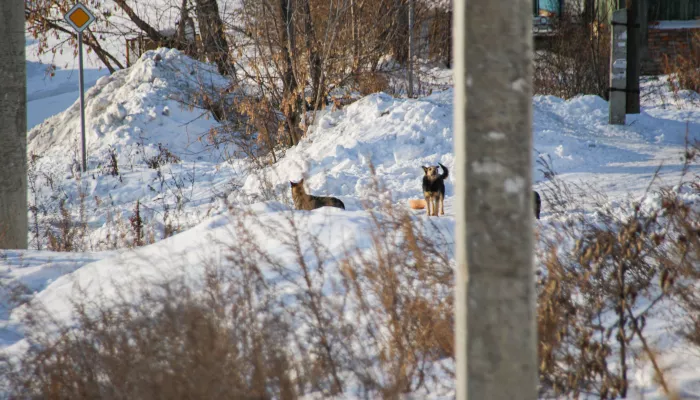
(292, 101)
(13, 128)
(46, 16)
(214, 43)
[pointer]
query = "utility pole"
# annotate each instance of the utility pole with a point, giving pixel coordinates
(13, 127)
(633, 57)
(496, 347)
(618, 68)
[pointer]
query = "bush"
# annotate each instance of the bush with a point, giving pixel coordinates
(683, 70)
(377, 321)
(577, 62)
(602, 276)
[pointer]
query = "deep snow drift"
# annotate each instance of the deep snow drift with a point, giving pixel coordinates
(134, 111)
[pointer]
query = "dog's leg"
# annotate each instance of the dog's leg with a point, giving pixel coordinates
(427, 202)
(442, 204)
(436, 202)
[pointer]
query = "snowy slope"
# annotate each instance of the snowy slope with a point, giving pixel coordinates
(143, 105)
(136, 115)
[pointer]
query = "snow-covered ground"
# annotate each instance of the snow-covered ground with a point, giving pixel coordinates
(138, 112)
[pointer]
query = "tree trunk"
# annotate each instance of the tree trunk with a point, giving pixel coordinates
(314, 58)
(185, 36)
(211, 29)
(291, 99)
(355, 38)
(13, 128)
(399, 38)
(150, 31)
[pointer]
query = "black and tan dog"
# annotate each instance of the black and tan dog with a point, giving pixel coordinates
(434, 189)
(303, 201)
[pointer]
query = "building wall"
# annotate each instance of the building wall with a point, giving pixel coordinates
(671, 43)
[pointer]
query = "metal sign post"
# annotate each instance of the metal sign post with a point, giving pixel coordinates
(618, 68)
(79, 17)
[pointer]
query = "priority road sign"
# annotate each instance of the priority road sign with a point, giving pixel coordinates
(79, 17)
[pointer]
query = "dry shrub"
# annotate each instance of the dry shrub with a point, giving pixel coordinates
(403, 287)
(299, 321)
(254, 129)
(683, 70)
(577, 62)
(171, 344)
(63, 236)
(596, 293)
(372, 82)
(162, 157)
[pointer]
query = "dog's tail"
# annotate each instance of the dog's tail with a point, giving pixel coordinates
(445, 172)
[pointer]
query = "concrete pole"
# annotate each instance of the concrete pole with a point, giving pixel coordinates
(618, 68)
(496, 347)
(13, 127)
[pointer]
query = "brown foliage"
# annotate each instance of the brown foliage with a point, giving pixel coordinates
(683, 70)
(576, 63)
(260, 327)
(589, 296)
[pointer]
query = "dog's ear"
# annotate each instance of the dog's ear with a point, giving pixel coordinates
(292, 183)
(301, 182)
(425, 169)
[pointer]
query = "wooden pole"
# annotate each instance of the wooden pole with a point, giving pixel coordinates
(496, 348)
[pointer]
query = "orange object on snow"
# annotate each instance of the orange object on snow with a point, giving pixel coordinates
(417, 204)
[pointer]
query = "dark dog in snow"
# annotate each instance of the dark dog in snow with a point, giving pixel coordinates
(303, 201)
(434, 189)
(434, 192)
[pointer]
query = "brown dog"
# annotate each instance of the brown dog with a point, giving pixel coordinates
(303, 201)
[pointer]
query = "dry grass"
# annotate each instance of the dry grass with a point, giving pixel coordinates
(595, 296)
(377, 320)
(372, 82)
(684, 69)
(372, 321)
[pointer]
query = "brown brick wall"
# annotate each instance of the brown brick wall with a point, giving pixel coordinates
(668, 42)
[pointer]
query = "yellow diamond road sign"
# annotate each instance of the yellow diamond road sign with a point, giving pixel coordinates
(79, 17)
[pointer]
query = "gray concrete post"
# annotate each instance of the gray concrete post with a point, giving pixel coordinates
(13, 127)
(618, 68)
(496, 347)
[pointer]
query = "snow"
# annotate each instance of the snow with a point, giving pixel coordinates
(134, 112)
